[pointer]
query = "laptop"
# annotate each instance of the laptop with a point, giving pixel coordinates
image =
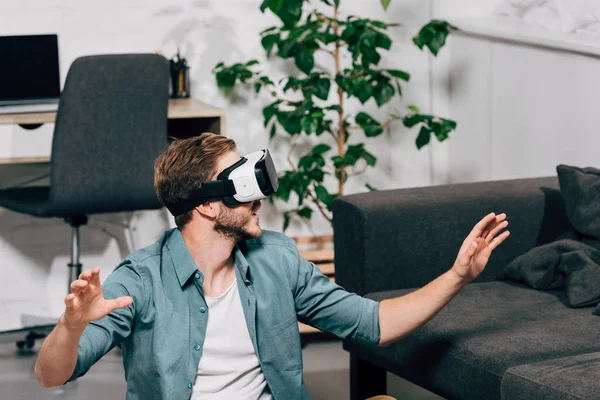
(29, 74)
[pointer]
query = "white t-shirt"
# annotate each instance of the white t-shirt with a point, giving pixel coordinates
(229, 367)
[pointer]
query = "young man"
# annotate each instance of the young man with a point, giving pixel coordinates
(210, 310)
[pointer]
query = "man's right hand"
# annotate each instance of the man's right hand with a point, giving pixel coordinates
(86, 303)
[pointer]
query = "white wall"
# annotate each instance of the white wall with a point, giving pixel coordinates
(33, 252)
(529, 107)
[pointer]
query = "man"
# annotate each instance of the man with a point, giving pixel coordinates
(210, 310)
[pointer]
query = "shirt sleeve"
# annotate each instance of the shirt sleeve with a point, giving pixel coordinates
(99, 337)
(329, 307)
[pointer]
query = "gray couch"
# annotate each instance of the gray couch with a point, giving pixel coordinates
(496, 339)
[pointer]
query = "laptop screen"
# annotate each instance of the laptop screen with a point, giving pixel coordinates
(29, 68)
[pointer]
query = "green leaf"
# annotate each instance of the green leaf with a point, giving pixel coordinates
(305, 163)
(321, 149)
(219, 65)
(269, 111)
(385, 4)
(414, 109)
(290, 122)
(309, 125)
(383, 41)
(287, 48)
(433, 35)
(271, 29)
(370, 126)
(399, 88)
(338, 161)
(323, 196)
(353, 153)
(269, 41)
(288, 11)
(251, 63)
(371, 188)
(411, 120)
(321, 88)
(369, 158)
(334, 107)
(317, 113)
(383, 93)
(423, 137)
(286, 220)
(305, 61)
(257, 87)
(405, 76)
(362, 90)
(305, 212)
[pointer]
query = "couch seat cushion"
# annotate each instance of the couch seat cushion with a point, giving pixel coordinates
(464, 351)
(567, 378)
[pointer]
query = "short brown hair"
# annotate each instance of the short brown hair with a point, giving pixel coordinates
(185, 165)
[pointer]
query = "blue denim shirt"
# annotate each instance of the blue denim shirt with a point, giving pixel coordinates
(162, 332)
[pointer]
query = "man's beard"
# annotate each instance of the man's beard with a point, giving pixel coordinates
(232, 226)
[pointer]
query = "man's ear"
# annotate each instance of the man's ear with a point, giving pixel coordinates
(208, 209)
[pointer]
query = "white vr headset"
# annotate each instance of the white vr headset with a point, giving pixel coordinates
(252, 178)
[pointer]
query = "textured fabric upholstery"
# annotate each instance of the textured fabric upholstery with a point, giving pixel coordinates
(111, 125)
(489, 327)
(567, 378)
(405, 238)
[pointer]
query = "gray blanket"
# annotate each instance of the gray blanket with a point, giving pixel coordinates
(571, 263)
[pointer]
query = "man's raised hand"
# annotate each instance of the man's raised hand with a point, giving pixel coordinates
(86, 303)
(477, 248)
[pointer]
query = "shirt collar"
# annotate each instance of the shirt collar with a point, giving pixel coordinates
(183, 262)
(241, 263)
(185, 266)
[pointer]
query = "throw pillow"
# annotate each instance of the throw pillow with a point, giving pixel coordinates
(580, 191)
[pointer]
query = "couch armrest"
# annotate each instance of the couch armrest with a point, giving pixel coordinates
(405, 238)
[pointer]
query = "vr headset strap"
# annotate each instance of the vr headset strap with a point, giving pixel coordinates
(208, 191)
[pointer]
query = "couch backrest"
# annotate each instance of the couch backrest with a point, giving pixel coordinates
(405, 238)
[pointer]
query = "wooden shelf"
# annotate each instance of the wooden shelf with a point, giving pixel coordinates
(327, 268)
(178, 109)
(25, 160)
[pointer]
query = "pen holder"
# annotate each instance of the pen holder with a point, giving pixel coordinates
(180, 80)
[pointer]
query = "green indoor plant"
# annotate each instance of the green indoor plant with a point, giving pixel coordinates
(312, 101)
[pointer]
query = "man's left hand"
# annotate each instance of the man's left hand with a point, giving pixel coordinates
(477, 248)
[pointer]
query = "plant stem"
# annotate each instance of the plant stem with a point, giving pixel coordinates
(318, 204)
(341, 139)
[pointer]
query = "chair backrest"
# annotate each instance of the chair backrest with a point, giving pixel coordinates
(111, 125)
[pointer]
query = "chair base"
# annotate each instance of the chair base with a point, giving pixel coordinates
(34, 327)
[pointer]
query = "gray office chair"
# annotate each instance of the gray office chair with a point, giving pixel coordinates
(111, 125)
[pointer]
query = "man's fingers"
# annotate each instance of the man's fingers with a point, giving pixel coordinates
(496, 230)
(69, 300)
(119, 302)
(85, 275)
(95, 277)
(481, 226)
(78, 285)
(493, 223)
(496, 242)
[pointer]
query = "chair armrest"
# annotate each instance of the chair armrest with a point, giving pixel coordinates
(405, 238)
